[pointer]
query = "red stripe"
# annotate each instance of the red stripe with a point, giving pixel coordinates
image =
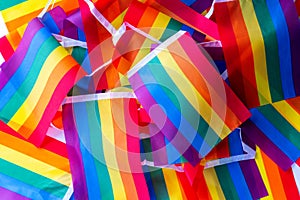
(187, 15)
(186, 186)
(289, 184)
(135, 13)
(237, 51)
(58, 96)
(6, 48)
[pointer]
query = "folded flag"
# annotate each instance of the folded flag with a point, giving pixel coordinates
(261, 46)
(103, 145)
(28, 172)
(185, 97)
(34, 82)
(275, 129)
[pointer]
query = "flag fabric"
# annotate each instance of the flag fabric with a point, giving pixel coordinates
(279, 183)
(28, 10)
(261, 48)
(176, 88)
(29, 172)
(105, 161)
(275, 129)
(34, 82)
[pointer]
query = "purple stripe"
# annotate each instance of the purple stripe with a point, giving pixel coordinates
(253, 133)
(168, 129)
(7, 194)
(201, 5)
(158, 145)
(74, 153)
(253, 178)
(293, 24)
(17, 58)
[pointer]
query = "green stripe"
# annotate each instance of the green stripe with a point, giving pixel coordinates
(94, 123)
(271, 48)
(226, 182)
(33, 179)
(171, 29)
(24, 90)
(4, 4)
(159, 185)
(176, 96)
(281, 124)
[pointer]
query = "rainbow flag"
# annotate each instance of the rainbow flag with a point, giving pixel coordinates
(179, 11)
(16, 13)
(34, 82)
(156, 23)
(275, 129)
(165, 183)
(28, 172)
(279, 183)
(185, 97)
(261, 46)
(103, 146)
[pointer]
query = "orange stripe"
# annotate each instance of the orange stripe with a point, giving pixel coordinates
(201, 85)
(32, 151)
(148, 18)
(246, 55)
(58, 73)
(274, 178)
(121, 149)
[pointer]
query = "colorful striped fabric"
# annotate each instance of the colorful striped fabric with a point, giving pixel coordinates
(103, 146)
(198, 5)
(28, 172)
(280, 184)
(165, 183)
(275, 129)
(20, 13)
(188, 16)
(235, 179)
(34, 82)
(155, 23)
(261, 48)
(185, 97)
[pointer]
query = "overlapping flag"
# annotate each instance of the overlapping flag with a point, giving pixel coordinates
(149, 99)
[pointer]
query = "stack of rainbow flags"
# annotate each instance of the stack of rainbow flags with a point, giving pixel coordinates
(150, 99)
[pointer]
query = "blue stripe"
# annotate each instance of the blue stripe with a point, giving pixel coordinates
(80, 113)
(235, 143)
(274, 135)
(284, 48)
(50, 23)
(171, 110)
(188, 2)
(24, 189)
(20, 75)
(239, 181)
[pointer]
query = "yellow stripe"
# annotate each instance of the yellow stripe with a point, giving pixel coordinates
(213, 184)
(192, 95)
(261, 167)
(288, 113)
(119, 20)
(109, 148)
(157, 30)
(23, 9)
(159, 26)
(29, 104)
(258, 49)
(35, 165)
(172, 184)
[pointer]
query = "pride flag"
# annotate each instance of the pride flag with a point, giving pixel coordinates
(261, 46)
(34, 82)
(185, 97)
(103, 146)
(275, 129)
(28, 172)
(279, 183)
